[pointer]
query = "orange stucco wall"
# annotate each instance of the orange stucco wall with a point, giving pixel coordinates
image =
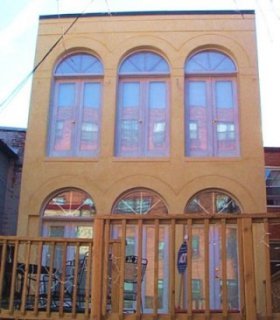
(176, 178)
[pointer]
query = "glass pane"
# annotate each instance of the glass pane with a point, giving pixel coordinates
(198, 130)
(272, 187)
(79, 64)
(70, 203)
(209, 61)
(212, 202)
(157, 95)
(144, 62)
(224, 94)
(66, 95)
(129, 138)
(225, 131)
(140, 202)
(130, 95)
(196, 94)
(92, 95)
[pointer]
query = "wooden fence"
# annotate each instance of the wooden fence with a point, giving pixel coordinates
(165, 267)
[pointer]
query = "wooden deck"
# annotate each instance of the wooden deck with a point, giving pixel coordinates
(230, 273)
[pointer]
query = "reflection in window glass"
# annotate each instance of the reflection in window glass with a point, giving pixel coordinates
(224, 94)
(212, 202)
(70, 203)
(272, 186)
(157, 95)
(131, 94)
(140, 201)
(225, 131)
(92, 95)
(66, 95)
(197, 94)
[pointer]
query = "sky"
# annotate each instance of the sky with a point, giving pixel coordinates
(18, 32)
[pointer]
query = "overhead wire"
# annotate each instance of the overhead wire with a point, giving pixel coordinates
(19, 86)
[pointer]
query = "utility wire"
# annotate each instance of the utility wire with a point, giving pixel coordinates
(22, 82)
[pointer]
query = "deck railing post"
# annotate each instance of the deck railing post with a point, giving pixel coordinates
(96, 286)
(249, 272)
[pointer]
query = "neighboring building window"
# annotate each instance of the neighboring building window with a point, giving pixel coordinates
(272, 179)
(211, 109)
(142, 128)
(76, 107)
(212, 202)
(140, 201)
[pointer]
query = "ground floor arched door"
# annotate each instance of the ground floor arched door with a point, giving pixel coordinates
(142, 201)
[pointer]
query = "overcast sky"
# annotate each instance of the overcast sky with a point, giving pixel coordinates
(18, 31)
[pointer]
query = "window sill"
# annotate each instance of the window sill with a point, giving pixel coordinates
(66, 159)
(141, 159)
(213, 159)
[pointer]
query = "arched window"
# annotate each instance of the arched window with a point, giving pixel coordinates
(140, 201)
(76, 107)
(211, 110)
(212, 202)
(68, 213)
(142, 127)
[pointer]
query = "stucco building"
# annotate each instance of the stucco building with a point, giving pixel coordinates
(147, 130)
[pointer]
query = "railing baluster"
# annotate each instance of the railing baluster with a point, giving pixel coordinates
(2, 269)
(62, 280)
(50, 278)
(224, 269)
(268, 288)
(89, 278)
(189, 268)
(39, 249)
(241, 267)
(105, 288)
(206, 268)
(139, 302)
(172, 260)
(156, 267)
(122, 267)
(14, 276)
(77, 270)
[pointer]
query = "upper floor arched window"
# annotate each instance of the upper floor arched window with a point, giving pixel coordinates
(142, 123)
(75, 114)
(211, 110)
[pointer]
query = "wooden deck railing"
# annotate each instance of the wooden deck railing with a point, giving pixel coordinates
(137, 266)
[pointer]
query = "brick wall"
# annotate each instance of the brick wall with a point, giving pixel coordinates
(10, 188)
(272, 156)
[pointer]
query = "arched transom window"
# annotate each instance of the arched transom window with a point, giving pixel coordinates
(140, 201)
(143, 105)
(69, 213)
(212, 202)
(211, 109)
(76, 107)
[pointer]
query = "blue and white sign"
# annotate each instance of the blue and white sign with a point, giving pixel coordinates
(182, 257)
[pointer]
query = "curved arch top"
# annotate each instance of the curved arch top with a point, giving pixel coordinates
(79, 63)
(140, 201)
(209, 61)
(144, 62)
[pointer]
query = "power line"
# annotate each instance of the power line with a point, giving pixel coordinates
(22, 82)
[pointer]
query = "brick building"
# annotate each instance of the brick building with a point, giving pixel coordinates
(12, 141)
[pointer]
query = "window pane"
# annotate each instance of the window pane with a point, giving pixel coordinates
(196, 94)
(157, 95)
(198, 130)
(209, 62)
(92, 95)
(273, 187)
(140, 202)
(79, 64)
(130, 94)
(144, 62)
(224, 94)
(225, 132)
(70, 203)
(129, 135)
(157, 119)
(66, 95)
